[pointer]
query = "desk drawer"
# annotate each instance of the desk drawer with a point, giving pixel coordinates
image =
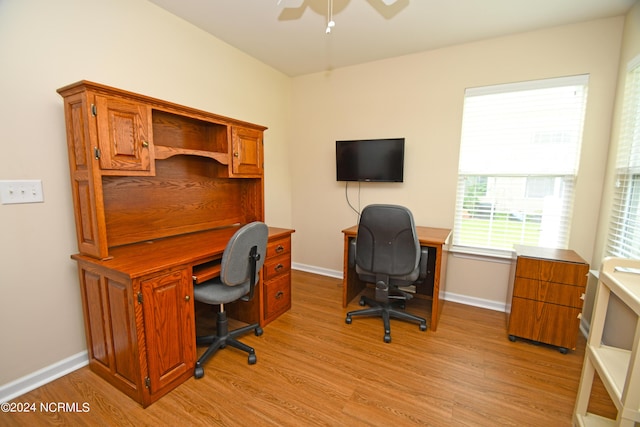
(275, 266)
(279, 247)
(552, 271)
(278, 296)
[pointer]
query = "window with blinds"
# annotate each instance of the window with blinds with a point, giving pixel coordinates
(624, 228)
(519, 156)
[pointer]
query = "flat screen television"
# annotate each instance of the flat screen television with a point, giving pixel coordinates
(370, 160)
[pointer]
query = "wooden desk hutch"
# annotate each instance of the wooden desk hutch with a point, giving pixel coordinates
(158, 190)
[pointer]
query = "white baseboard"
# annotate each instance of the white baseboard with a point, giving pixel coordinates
(475, 302)
(448, 296)
(317, 270)
(43, 376)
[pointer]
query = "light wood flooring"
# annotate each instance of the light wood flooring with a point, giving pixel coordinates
(313, 369)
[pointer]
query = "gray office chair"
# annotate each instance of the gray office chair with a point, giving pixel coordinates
(239, 273)
(387, 253)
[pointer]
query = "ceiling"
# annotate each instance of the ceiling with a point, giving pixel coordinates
(290, 36)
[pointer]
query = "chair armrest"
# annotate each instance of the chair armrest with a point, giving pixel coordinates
(424, 257)
(254, 275)
(351, 252)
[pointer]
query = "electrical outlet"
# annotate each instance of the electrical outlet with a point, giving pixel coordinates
(21, 191)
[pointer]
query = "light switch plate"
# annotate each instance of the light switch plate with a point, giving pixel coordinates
(21, 191)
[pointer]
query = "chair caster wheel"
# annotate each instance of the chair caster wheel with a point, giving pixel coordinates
(387, 338)
(362, 303)
(258, 331)
(348, 320)
(423, 327)
(252, 359)
(198, 372)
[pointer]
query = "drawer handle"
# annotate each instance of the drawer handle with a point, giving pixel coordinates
(187, 298)
(279, 294)
(278, 267)
(279, 249)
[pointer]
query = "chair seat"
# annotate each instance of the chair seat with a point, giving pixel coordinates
(216, 292)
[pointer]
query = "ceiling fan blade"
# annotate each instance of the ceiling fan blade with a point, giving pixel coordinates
(387, 8)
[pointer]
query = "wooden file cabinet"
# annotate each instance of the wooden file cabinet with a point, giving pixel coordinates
(547, 288)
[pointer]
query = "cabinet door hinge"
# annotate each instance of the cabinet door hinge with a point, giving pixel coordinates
(94, 110)
(147, 382)
(140, 297)
(97, 153)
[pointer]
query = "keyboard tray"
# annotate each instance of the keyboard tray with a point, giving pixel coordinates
(206, 271)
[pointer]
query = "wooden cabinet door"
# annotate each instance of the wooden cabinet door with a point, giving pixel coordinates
(124, 135)
(167, 302)
(246, 152)
(110, 327)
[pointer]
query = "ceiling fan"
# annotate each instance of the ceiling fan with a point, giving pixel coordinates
(387, 8)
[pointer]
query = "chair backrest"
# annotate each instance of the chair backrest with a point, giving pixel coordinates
(387, 243)
(235, 268)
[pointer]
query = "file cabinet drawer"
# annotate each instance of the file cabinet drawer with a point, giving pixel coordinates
(558, 272)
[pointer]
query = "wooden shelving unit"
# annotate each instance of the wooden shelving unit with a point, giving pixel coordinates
(618, 368)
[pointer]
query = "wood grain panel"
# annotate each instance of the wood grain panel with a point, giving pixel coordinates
(555, 293)
(182, 198)
(548, 323)
(559, 272)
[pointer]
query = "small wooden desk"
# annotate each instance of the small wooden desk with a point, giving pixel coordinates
(436, 239)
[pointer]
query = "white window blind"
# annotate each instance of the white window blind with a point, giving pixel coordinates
(624, 229)
(519, 157)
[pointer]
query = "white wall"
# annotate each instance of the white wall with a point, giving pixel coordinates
(420, 97)
(133, 45)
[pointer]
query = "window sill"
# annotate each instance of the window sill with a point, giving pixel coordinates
(481, 254)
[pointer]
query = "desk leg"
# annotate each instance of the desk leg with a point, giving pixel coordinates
(351, 283)
(439, 285)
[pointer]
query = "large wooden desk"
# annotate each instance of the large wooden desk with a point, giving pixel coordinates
(139, 309)
(436, 239)
(158, 190)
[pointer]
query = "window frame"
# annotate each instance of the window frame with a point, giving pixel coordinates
(623, 237)
(566, 178)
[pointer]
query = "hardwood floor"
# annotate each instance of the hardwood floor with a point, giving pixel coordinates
(313, 369)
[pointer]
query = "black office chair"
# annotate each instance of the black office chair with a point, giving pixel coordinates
(239, 273)
(387, 253)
